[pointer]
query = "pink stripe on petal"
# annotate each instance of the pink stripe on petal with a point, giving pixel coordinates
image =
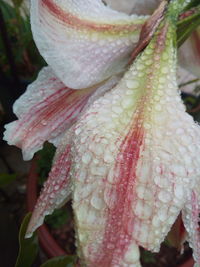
(75, 22)
(130, 169)
(84, 42)
(118, 237)
(46, 119)
(56, 189)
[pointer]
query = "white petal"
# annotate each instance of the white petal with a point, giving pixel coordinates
(84, 41)
(130, 146)
(47, 109)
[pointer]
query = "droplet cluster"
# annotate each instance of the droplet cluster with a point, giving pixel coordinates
(84, 42)
(150, 188)
(45, 111)
(56, 189)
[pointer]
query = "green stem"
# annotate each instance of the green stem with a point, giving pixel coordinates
(189, 82)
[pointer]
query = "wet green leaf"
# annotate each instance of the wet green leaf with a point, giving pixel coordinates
(62, 261)
(28, 247)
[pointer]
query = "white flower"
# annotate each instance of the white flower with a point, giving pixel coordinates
(127, 150)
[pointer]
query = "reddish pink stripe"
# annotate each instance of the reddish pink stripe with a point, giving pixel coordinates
(117, 236)
(63, 104)
(73, 21)
(44, 109)
(60, 109)
(120, 222)
(62, 163)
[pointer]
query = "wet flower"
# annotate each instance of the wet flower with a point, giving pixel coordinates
(127, 150)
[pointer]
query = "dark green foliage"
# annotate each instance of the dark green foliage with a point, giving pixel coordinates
(28, 247)
(6, 179)
(148, 257)
(58, 218)
(26, 55)
(187, 26)
(45, 158)
(63, 261)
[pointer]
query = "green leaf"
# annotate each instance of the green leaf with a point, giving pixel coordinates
(6, 179)
(17, 3)
(148, 257)
(58, 218)
(45, 157)
(28, 247)
(187, 26)
(191, 4)
(62, 261)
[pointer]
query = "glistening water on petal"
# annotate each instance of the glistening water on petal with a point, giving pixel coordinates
(131, 148)
(84, 41)
(56, 190)
(47, 109)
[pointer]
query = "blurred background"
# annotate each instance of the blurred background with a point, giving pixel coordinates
(19, 65)
(20, 62)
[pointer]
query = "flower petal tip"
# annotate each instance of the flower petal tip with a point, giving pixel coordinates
(46, 110)
(28, 235)
(12, 138)
(35, 222)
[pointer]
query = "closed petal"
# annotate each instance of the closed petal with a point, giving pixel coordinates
(84, 41)
(57, 189)
(191, 220)
(135, 159)
(46, 110)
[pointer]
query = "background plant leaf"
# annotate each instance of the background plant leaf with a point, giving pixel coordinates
(187, 26)
(28, 247)
(62, 261)
(6, 179)
(191, 4)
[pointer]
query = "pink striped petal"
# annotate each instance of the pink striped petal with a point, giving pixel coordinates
(191, 220)
(46, 110)
(189, 53)
(134, 160)
(57, 188)
(84, 41)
